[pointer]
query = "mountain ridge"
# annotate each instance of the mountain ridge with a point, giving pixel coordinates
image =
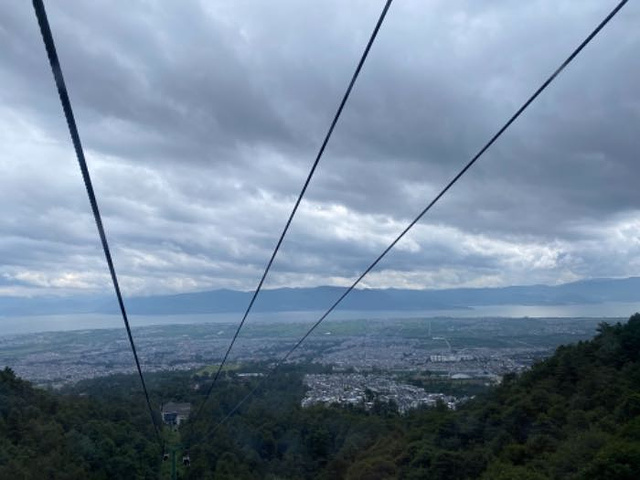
(592, 291)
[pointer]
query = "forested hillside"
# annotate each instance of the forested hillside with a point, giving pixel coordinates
(47, 436)
(574, 415)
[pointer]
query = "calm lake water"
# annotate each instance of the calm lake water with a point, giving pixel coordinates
(45, 323)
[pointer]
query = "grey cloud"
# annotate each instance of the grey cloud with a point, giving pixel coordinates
(200, 121)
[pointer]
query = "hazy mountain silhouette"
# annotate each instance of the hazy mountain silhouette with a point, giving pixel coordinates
(319, 298)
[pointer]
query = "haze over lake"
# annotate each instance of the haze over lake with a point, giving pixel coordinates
(12, 325)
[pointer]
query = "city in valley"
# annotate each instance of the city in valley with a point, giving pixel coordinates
(410, 361)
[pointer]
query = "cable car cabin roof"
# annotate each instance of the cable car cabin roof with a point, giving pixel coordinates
(182, 409)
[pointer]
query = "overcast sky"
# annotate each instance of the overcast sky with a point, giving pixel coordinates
(200, 121)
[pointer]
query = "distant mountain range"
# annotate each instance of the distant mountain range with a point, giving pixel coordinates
(319, 298)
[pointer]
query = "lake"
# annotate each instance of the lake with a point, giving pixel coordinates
(45, 323)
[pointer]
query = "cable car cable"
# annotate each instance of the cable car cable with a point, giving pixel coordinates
(56, 69)
(323, 146)
(473, 160)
